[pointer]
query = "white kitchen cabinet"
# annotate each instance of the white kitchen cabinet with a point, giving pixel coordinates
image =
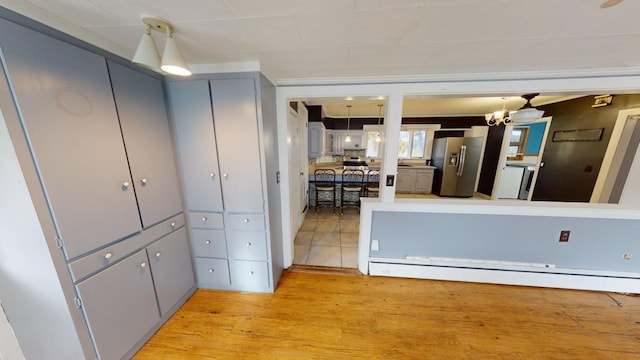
(406, 180)
(317, 132)
(329, 142)
(69, 135)
(424, 181)
(239, 229)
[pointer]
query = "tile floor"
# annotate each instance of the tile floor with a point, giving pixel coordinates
(326, 239)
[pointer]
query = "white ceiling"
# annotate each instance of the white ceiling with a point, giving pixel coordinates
(303, 41)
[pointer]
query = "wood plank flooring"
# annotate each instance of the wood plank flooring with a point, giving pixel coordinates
(342, 316)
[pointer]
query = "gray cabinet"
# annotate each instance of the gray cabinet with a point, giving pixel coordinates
(120, 305)
(195, 137)
(414, 180)
(70, 119)
(145, 128)
(234, 116)
(225, 116)
(424, 181)
(406, 180)
(172, 271)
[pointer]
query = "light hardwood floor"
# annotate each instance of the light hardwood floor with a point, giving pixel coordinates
(333, 316)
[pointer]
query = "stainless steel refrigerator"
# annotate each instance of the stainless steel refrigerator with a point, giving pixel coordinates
(456, 160)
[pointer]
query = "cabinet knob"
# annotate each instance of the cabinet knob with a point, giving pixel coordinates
(204, 218)
(173, 225)
(143, 264)
(208, 242)
(213, 175)
(158, 254)
(246, 220)
(251, 272)
(248, 244)
(108, 256)
(226, 176)
(210, 270)
(143, 182)
(125, 185)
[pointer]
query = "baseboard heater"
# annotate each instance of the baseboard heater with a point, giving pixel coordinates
(505, 272)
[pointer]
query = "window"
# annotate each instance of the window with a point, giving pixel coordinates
(412, 144)
(517, 143)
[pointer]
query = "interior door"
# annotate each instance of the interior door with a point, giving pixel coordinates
(294, 171)
(303, 121)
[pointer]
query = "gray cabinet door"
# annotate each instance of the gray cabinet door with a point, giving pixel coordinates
(145, 129)
(65, 100)
(235, 119)
(172, 270)
(120, 305)
(196, 141)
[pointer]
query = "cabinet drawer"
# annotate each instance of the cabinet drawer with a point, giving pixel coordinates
(245, 222)
(108, 256)
(212, 273)
(208, 243)
(249, 275)
(206, 220)
(247, 245)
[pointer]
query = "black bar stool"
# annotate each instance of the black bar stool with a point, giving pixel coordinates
(352, 186)
(325, 182)
(372, 184)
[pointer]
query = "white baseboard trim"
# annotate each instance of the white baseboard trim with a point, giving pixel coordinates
(508, 277)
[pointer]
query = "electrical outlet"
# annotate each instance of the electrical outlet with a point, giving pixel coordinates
(564, 235)
(626, 256)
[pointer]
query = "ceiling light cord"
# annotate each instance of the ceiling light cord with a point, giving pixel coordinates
(378, 136)
(348, 138)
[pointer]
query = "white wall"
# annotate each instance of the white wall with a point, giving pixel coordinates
(9, 347)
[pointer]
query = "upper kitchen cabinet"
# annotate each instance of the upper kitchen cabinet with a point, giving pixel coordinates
(316, 139)
(145, 128)
(235, 119)
(190, 104)
(70, 120)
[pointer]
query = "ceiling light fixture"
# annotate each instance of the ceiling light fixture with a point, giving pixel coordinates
(348, 138)
(500, 116)
(527, 113)
(147, 54)
(378, 137)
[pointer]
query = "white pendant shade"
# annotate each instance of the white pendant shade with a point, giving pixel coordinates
(172, 60)
(525, 115)
(147, 53)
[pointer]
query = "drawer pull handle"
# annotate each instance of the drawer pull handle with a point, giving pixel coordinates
(248, 244)
(250, 272)
(158, 254)
(108, 255)
(173, 225)
(204, 218)
(125, 185)
(246, 220)
(143, 264)
(208, 242)
(143, 182)
(210, 270)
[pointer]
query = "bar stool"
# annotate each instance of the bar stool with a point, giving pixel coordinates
(325, 182)
(352, 185)
(372, 184)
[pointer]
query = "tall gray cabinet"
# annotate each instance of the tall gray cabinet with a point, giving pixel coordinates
(225, 131)
(93, 143)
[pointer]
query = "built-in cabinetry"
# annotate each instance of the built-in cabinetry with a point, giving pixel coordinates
(95, 149)
(336, 144)
(317, 139)
(414, 180)
(220, 140)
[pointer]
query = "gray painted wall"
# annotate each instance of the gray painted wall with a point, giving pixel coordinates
(594, 244)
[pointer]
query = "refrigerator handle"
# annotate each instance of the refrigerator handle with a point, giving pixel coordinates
(463, 155)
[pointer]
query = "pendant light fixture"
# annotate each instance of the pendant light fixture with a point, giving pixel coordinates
(147, 53)
(378, 137)
(348, 138)
(527, 113)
